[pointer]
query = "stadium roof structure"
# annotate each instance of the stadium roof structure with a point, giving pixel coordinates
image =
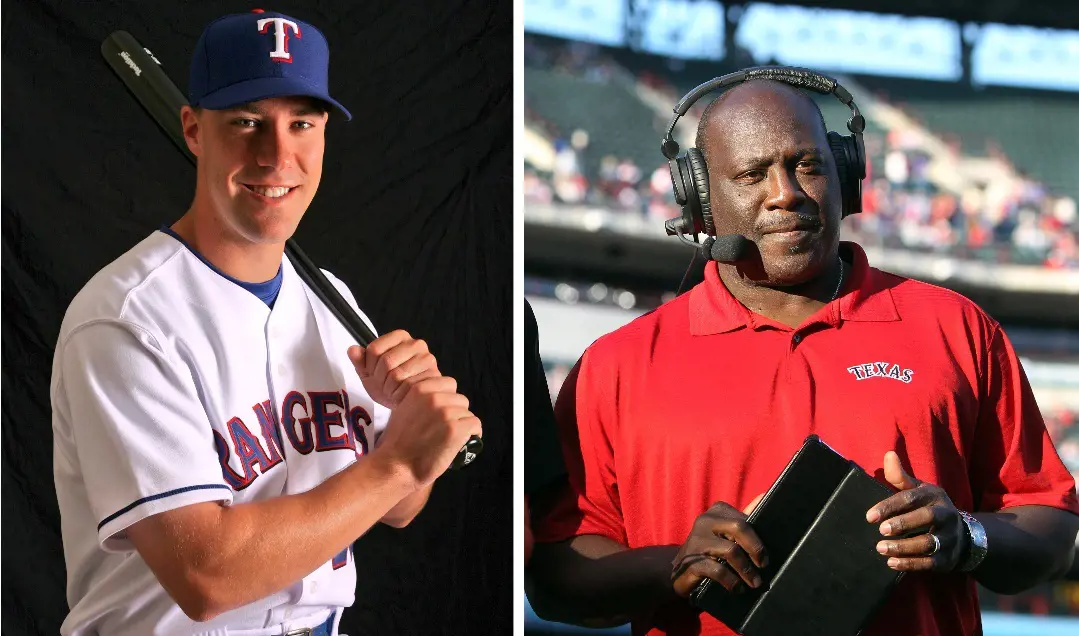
(1059, 14)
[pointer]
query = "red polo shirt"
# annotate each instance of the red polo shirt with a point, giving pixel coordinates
(703, 401)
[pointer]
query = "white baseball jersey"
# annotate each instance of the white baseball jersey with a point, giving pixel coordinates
(173, 385)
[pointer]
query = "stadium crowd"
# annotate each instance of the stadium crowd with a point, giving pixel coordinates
(1013, 219)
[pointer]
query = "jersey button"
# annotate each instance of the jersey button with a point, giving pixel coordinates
(797, 338)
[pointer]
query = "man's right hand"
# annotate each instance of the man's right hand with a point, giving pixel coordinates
(428, 428)
(722, 546)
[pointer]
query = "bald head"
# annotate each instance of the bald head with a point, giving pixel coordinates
(759, 95)
(773, 179)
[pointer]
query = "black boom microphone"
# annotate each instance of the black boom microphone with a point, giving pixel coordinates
(727, 248)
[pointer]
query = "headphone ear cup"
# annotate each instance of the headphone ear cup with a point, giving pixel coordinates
(677, 181)
(843, 165)
(699, 171)
(685, 194)
(856, 151)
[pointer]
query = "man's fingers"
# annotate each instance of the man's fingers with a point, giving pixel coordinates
(683, 579)
(701, 566)
(743, 534)
(918, 519)
(402, 389)
(437, 384)
(919, 546)
(379, 347)
(896, 474)
(917, 564)
(722, 547)
(405, 370)
(737, 560)
(413, 351)
(899, 503)
(748, 510)
(471, 425)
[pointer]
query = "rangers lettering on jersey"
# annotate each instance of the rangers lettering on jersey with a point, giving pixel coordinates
(281, 25)
(307, 421)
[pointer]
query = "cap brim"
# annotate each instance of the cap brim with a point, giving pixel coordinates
(265, 88)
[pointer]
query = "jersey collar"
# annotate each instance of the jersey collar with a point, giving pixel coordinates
(712, 308)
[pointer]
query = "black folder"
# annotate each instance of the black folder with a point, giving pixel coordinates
(824, 575)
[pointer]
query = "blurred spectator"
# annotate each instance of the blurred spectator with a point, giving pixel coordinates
(628, 173)
(565, 161)
(1065, 253)
(1031, 242)
(535, 188)
(896, 169)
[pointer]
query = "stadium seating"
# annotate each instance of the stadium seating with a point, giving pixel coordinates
(615, 119)
(1037, 130)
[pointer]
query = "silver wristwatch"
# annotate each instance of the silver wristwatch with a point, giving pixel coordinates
(978, 546)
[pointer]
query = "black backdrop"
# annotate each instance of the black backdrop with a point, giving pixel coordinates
(414, 213)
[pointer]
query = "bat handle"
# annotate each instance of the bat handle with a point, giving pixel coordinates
(469, 452)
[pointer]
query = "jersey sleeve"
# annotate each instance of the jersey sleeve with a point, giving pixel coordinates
(1014, 461)
(130, 418)
(381, 416)
(588, 502)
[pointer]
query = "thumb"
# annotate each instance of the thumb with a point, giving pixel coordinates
(894, 473)
(748, 510)
(355, 353)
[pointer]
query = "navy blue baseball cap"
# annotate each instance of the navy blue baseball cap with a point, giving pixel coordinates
(246, 57)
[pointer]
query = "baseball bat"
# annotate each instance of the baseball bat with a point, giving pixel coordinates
(143, 75)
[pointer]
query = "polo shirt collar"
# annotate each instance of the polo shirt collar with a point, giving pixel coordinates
(712, 308)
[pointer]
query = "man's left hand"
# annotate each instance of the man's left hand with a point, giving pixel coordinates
(922, 511)
(391, 364)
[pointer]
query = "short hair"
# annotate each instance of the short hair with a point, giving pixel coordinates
(702, 127)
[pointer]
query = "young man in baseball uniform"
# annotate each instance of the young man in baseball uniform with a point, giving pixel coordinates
(214, 426)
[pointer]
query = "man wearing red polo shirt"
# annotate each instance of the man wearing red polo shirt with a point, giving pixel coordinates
(673, 424)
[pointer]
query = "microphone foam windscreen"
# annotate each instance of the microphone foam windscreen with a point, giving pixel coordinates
(730, 248)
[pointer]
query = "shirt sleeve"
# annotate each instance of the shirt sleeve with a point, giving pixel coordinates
(543, 455)
(130, 418)
(588, 503)
(1014, 461)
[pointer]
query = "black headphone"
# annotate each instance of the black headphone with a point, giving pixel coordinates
(689, 173)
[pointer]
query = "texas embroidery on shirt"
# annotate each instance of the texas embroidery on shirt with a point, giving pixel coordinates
(881, 370)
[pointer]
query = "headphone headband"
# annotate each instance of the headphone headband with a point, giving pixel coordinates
(794, 76)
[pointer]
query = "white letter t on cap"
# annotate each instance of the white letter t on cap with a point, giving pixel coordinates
(281, 25)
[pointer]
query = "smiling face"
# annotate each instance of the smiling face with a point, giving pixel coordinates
(773, 180)
(259, 164)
